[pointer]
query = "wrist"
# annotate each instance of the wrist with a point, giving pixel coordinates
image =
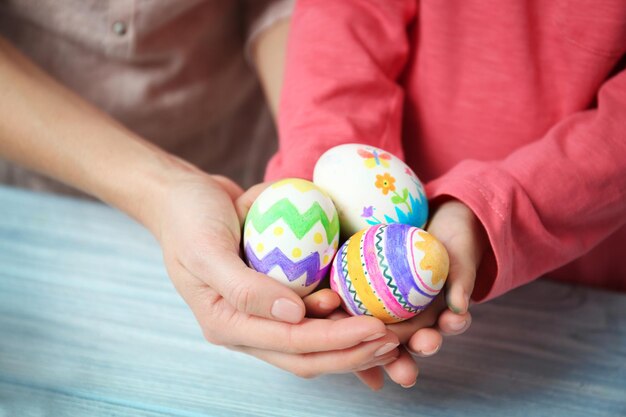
(142, 190)
(448, 207)
(480, 241)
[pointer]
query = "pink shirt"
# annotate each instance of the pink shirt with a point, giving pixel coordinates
(518, 109)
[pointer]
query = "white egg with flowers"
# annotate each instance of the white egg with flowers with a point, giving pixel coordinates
(370, 186)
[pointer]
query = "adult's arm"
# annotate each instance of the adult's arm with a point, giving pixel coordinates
(46, 127)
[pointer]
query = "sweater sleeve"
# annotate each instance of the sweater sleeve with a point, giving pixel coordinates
(343, 62)
(551, 201)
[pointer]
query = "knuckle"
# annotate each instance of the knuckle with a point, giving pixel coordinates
(213, 336)
(195, 262)
(288, 344)
(355, 362)
(241, 297)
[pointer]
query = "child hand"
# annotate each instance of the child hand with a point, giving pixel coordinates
(199, 230)
(454, 224)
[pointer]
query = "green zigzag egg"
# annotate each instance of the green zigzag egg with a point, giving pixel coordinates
(291, 233)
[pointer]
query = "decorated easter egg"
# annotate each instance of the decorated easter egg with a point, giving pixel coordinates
(370, 186)
(291, 233)
(391, 272)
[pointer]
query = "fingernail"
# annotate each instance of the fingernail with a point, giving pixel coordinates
(430, 353)
(286, 310)
(375, 363)
(458, 326)
(455, 309)
(409, 386)
(451, 305)
(386, 348)
(387, 361)
(374, 337)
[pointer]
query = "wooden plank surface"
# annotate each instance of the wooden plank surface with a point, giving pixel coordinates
(91, 326)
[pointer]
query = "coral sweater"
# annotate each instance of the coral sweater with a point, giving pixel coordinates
(516, 108)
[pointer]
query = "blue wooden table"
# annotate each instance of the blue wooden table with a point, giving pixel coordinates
(91, 326)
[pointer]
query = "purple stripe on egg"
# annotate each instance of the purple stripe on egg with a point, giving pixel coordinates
(339, 281)
(293, 270)
(376, 278)
(398, 260)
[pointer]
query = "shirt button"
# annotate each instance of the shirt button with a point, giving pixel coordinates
(120, 28)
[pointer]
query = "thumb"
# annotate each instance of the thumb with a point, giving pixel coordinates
(460, 282)
(252, 292)
(458, 229)
(245, 200)
(232, 189)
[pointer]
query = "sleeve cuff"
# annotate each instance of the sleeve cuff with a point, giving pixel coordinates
(466, 183)
(278, 10)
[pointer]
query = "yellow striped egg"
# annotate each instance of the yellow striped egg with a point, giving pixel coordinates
(391, 272)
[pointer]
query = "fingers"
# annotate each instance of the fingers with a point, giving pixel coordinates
(375, 353)
(223, 325)
(426, 318)
(462, 273)
(245, 200)
(425, 342)
(373, 378)
(321, 303)
(312, 335)
(458, 229)
(452, 324)
(204, 247)
(228, 185)
(249, 291)
(460, 282)
(403, 371)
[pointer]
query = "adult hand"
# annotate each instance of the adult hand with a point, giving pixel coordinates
(56, 132)
(199, 231)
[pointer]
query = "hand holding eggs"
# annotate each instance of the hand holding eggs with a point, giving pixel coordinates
(388, 268)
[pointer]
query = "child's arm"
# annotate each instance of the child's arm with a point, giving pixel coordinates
(266, 46)
(551, 201)
(543, 206)
(344, 60)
